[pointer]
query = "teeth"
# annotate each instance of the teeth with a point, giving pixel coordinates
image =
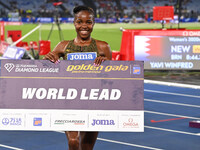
(84, 32)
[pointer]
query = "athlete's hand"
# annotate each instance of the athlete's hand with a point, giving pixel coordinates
(99, 60)
(52, 57)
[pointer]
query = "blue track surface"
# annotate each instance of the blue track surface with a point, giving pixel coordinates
(161, 103)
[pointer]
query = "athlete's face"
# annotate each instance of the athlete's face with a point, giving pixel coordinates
(84, 22)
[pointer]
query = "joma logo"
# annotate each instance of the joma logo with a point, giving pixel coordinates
(81, 56)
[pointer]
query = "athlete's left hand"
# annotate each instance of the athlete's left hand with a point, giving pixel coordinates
(99, 60)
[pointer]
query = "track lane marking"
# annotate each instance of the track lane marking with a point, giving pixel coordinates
(173, 103)
(167, 114)
(123, 143)
(169, 130)
(165, 120)
(177, 94)
(128, 144)
(172, 84)
(10, 147)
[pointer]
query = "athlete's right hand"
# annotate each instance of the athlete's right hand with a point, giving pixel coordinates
(52, 57)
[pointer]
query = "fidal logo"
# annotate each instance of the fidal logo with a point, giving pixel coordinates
(136, 70)
(37, 121)
(9, 66)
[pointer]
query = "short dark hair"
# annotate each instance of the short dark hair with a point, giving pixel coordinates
(77, 9)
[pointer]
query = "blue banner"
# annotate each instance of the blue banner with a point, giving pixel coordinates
(97, 20)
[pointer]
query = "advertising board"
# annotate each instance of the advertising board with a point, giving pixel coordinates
(164, 49)
(71, 95)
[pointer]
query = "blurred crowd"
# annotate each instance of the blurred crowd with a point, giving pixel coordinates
(103, 8)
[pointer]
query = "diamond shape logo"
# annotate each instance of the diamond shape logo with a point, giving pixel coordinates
(9, 66)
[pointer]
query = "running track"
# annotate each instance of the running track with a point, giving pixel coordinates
(168, 111)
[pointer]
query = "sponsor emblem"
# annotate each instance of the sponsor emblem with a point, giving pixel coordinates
(75, 122)
(130, 124)
(102, 122)
(12, 121)
(9, 66)
(82, 56)
(37, 121)
(136, 70)
(5, 121)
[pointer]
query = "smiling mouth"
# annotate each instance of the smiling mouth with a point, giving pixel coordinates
(84, 32)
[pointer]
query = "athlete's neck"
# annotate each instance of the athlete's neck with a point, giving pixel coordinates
(80, 41)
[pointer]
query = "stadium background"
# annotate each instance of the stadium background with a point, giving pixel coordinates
(110, 17)
(110, 32)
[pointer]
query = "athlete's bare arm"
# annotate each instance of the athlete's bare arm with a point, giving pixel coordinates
(58, 52)
(104, 52)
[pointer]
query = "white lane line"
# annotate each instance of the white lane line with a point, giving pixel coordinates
(166, 114)
(181, 104)
(172, 84)
(177, 94)
(59, 131)
(124, 143)
(10, 147)
(169, 130)
(128, 144)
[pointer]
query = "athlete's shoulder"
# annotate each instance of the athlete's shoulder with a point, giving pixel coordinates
(64, 42)
(104, 49)
(62, 45)
(101, 42)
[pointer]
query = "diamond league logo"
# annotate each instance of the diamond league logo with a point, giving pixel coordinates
(9, 66)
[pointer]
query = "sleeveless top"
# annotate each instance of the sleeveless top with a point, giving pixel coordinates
(72, 48)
